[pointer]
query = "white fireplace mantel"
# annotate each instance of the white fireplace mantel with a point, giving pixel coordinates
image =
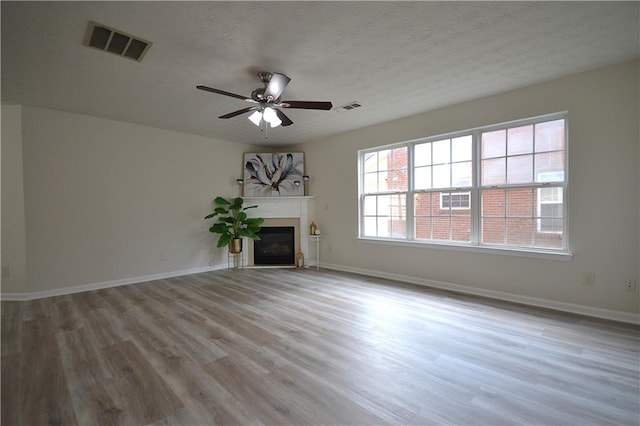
(282, 208)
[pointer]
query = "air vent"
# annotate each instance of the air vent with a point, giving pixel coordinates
(349, 106)
(115, 41)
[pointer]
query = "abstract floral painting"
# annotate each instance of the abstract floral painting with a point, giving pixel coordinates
(273, 175)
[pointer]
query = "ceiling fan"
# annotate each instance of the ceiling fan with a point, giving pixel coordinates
(267, 102)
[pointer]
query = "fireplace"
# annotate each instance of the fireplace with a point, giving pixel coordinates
(282, 211)
(276, 246)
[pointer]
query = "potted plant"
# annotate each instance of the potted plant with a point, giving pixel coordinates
(233, 223)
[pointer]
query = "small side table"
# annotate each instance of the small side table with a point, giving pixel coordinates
(235, 260)
(317, 239)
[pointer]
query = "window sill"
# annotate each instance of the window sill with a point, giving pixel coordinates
(531, 253)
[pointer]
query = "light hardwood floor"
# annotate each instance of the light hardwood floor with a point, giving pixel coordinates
(271, 346)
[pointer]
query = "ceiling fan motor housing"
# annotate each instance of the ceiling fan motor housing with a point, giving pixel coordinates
(265, 77)
(258, 94)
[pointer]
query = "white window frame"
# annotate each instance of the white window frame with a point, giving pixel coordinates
(474, 194)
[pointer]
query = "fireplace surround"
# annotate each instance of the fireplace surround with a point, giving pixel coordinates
(278, 212)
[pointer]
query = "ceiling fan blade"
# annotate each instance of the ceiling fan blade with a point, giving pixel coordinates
(238, 112)
(276, 86)
(286, 121)
(307, 105)
(222, 92)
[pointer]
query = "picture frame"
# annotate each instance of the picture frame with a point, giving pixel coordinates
(273, 174)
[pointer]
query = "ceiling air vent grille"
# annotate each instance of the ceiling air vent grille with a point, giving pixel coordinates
(349, 106)
(115, 41)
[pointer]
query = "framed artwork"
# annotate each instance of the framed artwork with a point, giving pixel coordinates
(273, 174)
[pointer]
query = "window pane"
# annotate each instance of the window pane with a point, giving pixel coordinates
(520, 231)
(493, 172)
(369, 208)
(422, 154)
(520, 169)
(369, 229)
(398, 158)
(461, 227)
(383, 159)
(398, 180)
(422, 204)
(493, 230)
(398, 205)
(442, 176)
(461, 148)
(441, 227)
(493, 202)
(441, 151)
(551, 210)
(383, 182)
(550, 195)
(494, 144)
(550, 167)
(422, 178)
(398, 227)
(423, 227)
(520, 202)
(461, 174)
(370, 182)
(384, 227)
(371, 162)
(422, 207)
(384, 205)
(550, 136)
(549, 240)
(520, 140)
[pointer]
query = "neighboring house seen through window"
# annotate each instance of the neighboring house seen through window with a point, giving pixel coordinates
(501, 185)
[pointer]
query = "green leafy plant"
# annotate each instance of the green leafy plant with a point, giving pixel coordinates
(233, 221)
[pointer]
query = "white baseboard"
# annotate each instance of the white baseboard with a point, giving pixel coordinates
(493, 294)
(105, 284)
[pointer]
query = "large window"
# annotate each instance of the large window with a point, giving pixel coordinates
(502, 186)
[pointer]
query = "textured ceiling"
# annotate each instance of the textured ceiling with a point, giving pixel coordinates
(396, 58)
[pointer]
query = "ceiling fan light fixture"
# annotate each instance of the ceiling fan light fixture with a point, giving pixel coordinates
(271, 117)
(256, 118)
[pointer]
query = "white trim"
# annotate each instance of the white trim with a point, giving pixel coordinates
(459, 246)
(526, 300)
(493, 294)
(105, 284)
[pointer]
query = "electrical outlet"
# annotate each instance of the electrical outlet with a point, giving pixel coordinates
(589, 279)
(632, 286)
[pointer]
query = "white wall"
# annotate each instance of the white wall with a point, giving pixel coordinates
(602, 205)
(107, 201)
(13, 226)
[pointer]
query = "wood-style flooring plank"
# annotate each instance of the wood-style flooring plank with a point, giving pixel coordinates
(276, 346)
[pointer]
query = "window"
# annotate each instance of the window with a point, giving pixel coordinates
(455, 200)
(501, 185)
(386, 180)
